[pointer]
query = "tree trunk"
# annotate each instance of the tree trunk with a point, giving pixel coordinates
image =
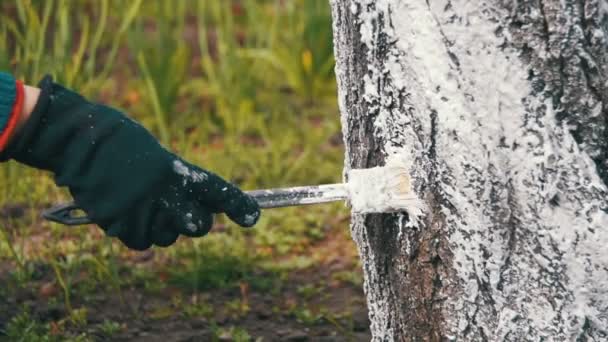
(502, 109)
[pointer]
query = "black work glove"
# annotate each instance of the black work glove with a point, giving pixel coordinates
(120, 175)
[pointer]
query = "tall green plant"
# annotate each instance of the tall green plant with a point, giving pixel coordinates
(163, 58)
(45, 37)
(301, 51)
(228, 77)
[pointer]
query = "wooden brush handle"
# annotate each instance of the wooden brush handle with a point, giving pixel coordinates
(69, 214)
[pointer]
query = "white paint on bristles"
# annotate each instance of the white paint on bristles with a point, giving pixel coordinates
(490, 151)
(384, 189)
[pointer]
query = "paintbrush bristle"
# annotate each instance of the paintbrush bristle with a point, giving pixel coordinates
(384, 189)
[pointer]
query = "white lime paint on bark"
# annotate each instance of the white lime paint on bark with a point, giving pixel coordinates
(506, 135)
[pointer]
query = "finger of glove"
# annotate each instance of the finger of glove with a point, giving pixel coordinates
(162, 233)
(221, 196)
(192, 219)
(133, 228)
(132, 238)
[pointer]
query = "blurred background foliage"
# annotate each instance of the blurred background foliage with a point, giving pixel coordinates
(245, 88)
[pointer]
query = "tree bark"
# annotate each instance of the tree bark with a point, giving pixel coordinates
(502, 109)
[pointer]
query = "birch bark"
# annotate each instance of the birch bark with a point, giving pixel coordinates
(502, 109)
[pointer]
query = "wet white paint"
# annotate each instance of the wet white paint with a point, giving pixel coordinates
(384, 189)
(191, 227)
(325, 193)
(251, 218)
(189, 175)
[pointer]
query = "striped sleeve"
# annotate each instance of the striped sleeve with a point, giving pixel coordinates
(12, 94)
(8, 94)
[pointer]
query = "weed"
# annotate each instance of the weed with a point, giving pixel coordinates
(163, 58)
(162, 312)
(23, 328)
(148, 280)
(215, 262)
(220, 261)
(64, 286)
(306, 62)
(78, 317)
(309, 291)
(351, 277)
(236, 334)
(23, 271)
(200, 309)
(108, 328)
(306, 316)
(236, 308)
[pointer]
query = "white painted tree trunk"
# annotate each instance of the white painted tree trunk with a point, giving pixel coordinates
(502, 108)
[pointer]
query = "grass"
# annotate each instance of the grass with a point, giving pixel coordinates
(244, 88)
(217, 262)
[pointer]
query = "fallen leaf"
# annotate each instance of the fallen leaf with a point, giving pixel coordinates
(48, 290)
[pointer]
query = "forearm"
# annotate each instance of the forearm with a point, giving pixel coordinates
(31, 95)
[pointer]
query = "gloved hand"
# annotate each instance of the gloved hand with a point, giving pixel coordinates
(120, 175)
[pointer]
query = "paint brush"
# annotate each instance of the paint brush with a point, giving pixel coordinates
(382, 189)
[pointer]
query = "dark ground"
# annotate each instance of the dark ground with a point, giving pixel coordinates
(142, 320)
(309, 305)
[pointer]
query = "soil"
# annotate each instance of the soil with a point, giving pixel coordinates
(261, 321)
(145, 316)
